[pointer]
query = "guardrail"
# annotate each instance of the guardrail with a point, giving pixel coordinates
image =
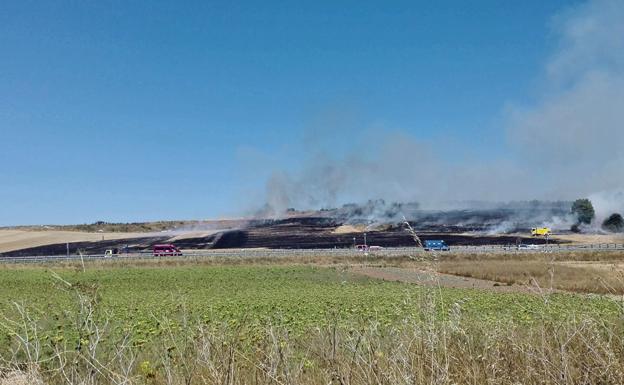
(282, 253)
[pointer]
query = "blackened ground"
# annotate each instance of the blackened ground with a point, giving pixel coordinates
(97, 247)
(313, 233)
(255, 239)
(291, 233)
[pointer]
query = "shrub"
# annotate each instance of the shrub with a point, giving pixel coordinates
(614, 224)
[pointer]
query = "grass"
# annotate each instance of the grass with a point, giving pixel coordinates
(585, 272)
(284, 324)
(584, 279)
(578, 271)
(297, 297)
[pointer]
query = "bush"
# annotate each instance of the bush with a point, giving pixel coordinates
(614, 224)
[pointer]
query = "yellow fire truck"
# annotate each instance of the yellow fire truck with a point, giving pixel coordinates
(540, 231)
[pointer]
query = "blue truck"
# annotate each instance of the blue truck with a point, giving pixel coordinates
(438, 245)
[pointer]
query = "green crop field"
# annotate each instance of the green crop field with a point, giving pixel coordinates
(148, 312)
(294, 297)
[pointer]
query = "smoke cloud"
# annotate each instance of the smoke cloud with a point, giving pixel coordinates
(396, 168)
(575, 133)
(568, 144)
(606, 203)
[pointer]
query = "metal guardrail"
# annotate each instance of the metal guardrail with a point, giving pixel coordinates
(282, 253)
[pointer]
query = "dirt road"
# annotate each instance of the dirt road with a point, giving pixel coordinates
(432, 278)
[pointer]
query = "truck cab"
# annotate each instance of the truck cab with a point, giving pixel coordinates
(437, 245)
(363, 248)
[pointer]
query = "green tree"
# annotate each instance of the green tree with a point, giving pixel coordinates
(614, 224)
(584, 211)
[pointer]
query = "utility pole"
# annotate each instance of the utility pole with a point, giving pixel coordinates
(365, 239)
(67, 245)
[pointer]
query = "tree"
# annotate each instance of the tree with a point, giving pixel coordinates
(584, 211)
(614, 224)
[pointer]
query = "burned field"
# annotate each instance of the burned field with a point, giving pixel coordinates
(313, 233)
(302, 232)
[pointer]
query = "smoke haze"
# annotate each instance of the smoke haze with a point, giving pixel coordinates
(568, 144)
(575, 130)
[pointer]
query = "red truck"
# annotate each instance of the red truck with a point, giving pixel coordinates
(166, 250)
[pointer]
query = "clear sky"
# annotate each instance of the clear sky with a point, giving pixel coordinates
(146, 110)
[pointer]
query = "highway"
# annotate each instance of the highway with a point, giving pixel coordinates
(348, 252)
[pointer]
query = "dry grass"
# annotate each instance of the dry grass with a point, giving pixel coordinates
(542, 274)
(349, 229)
(456, 351)
(578, 271)
(590, 238)
(588, 272)
(577, 255)
(319, 259)
(22, 377)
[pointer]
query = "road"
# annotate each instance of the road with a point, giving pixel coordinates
(289, 253)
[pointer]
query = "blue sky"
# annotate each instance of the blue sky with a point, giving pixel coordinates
(146, 110)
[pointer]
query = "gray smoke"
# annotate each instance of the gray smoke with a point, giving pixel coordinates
(607, 203)
(576, 130)
(568, 144)
(574, 134)
(395, 168)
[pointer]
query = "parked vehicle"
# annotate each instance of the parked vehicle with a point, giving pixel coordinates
(362, 248)
(111, 252)
(528, 247)
(166, 250)
(437, 245)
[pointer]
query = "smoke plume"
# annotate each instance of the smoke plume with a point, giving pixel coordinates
(568, 144)
(574, 134)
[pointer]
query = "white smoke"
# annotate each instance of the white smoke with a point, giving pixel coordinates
(395, 167)
(574, 134)
(568, 144)
(607, 203)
